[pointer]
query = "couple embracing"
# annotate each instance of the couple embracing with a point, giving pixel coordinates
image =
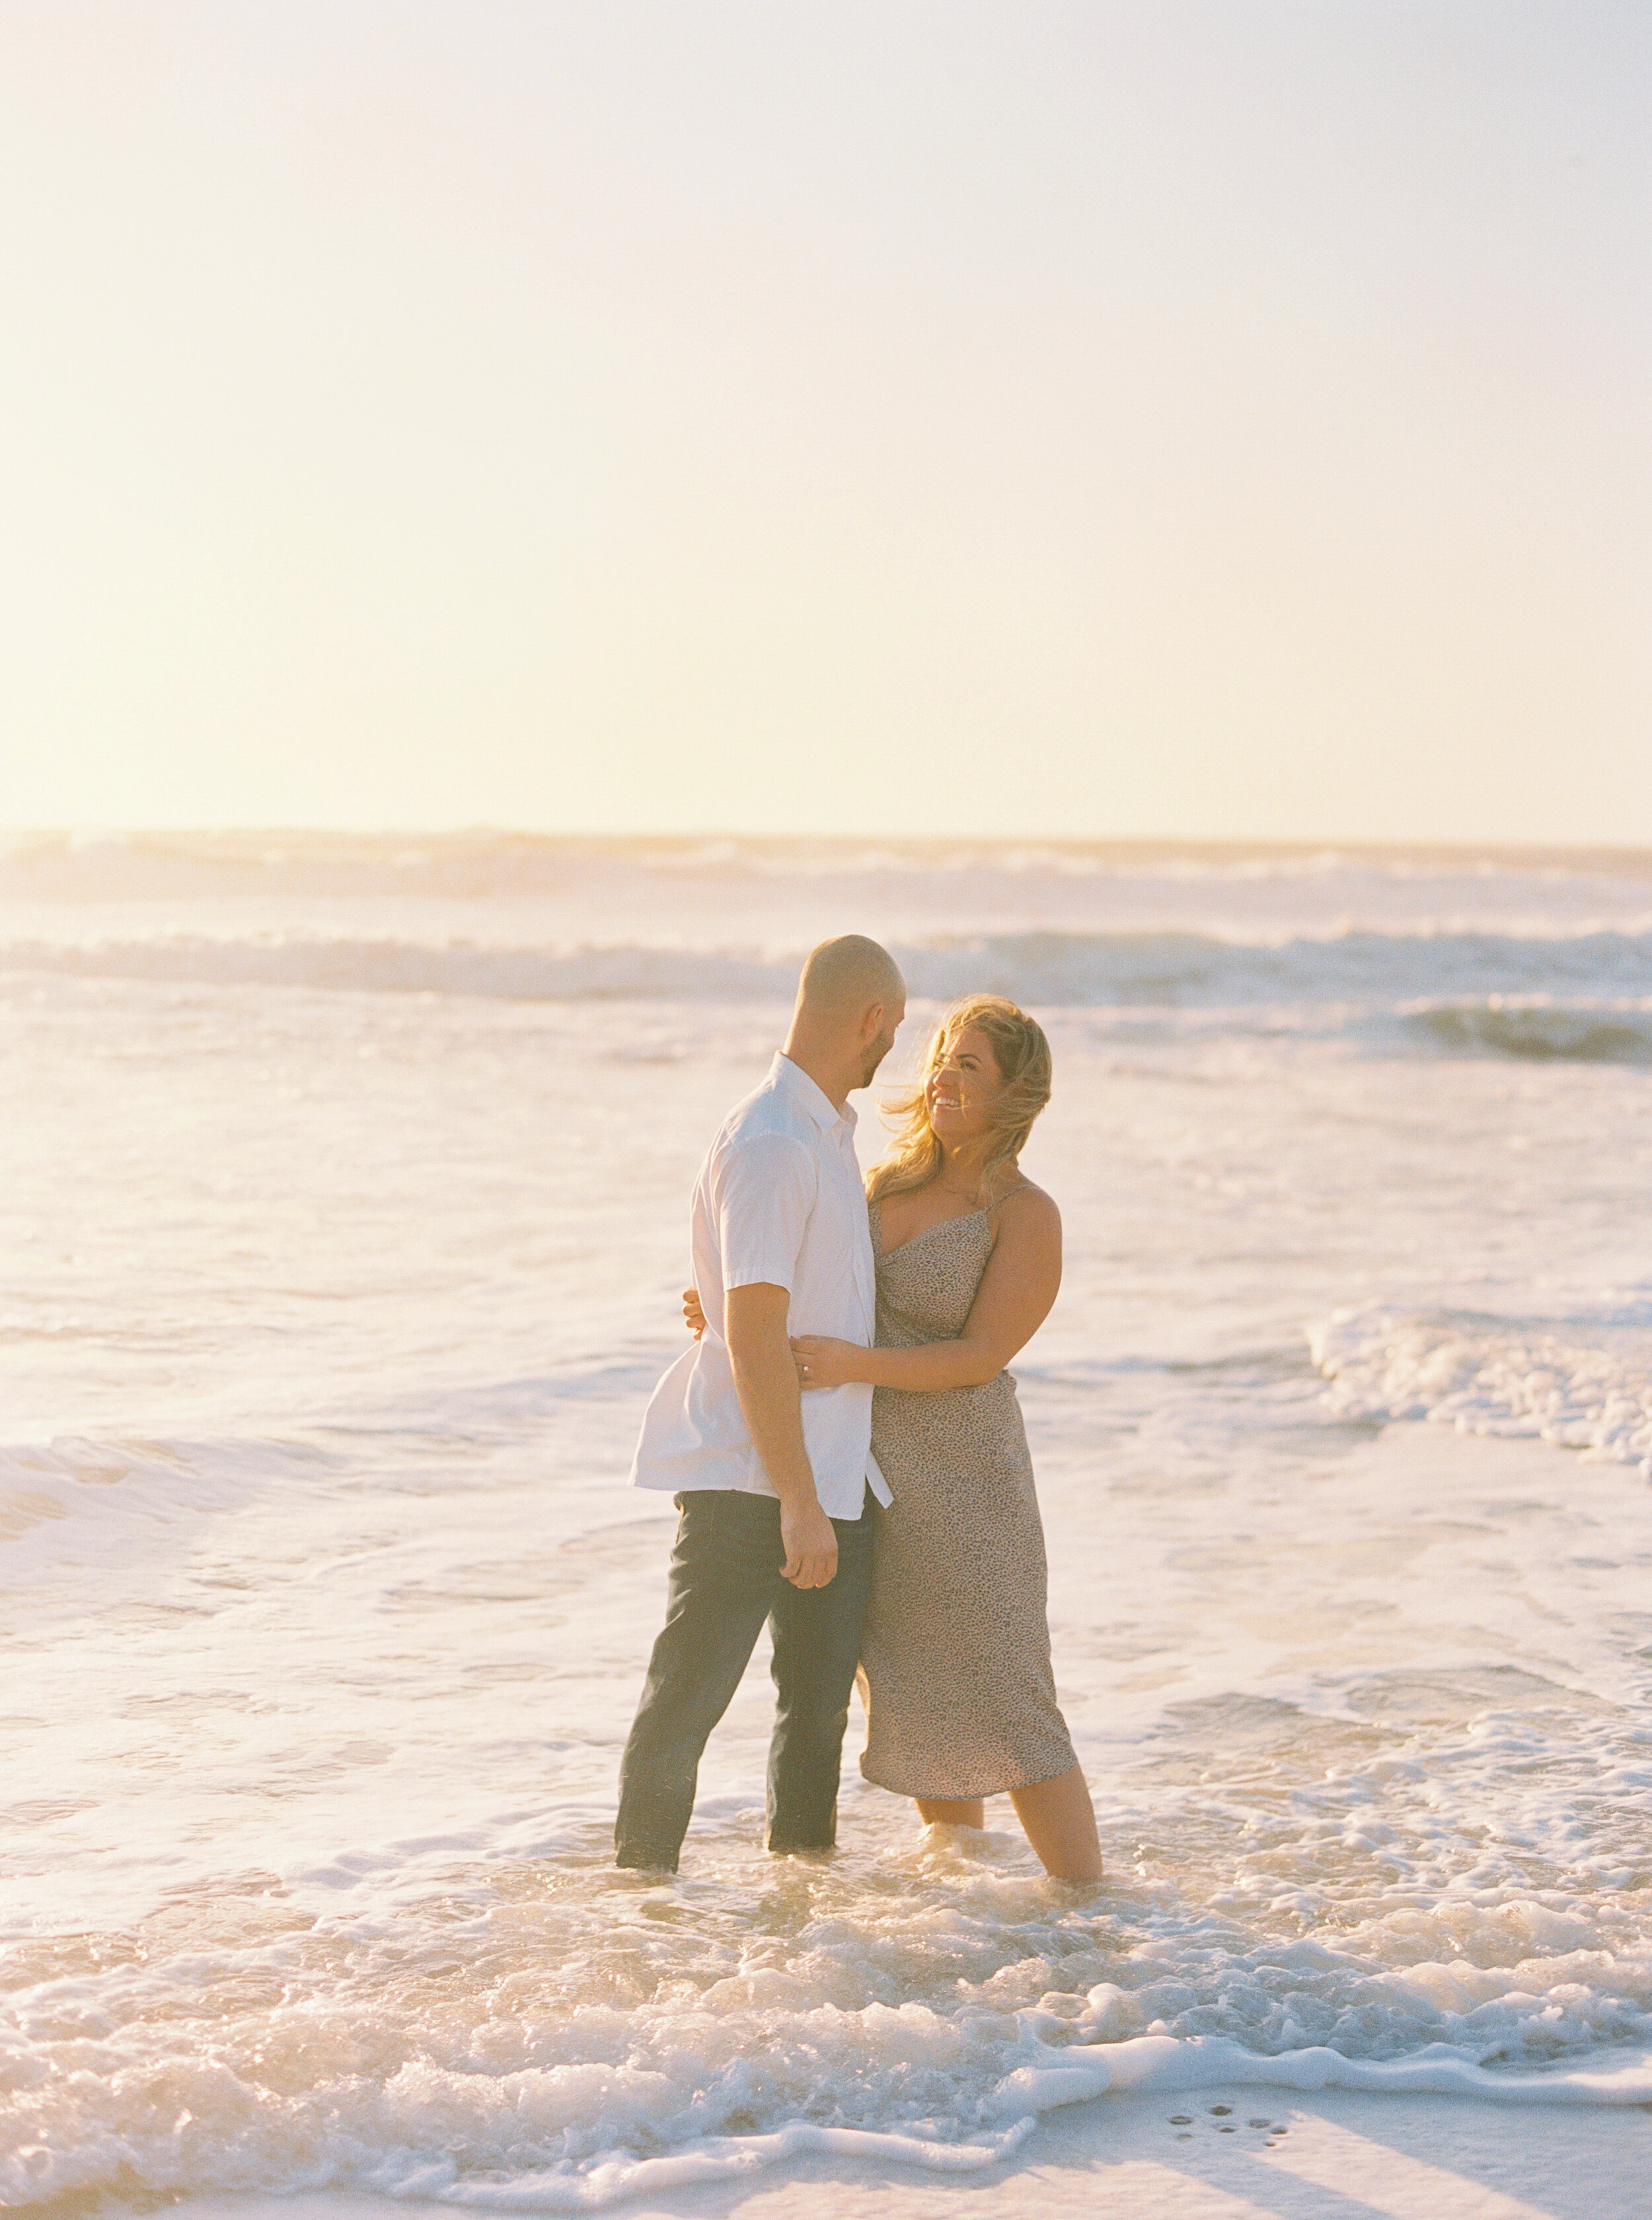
(853, 1347)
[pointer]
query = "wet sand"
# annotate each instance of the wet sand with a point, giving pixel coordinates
(1343, 2156)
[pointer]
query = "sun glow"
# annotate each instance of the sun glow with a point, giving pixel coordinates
(957, 420)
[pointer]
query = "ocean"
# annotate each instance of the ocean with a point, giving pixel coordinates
(343, 1206)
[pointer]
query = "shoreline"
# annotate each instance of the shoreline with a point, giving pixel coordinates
(1343, 2154)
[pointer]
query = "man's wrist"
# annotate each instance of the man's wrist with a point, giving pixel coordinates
(796, 1493)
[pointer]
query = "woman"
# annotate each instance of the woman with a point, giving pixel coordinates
(961, 1701)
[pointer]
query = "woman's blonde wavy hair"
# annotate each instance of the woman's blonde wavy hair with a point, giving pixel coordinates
(1022, 1055)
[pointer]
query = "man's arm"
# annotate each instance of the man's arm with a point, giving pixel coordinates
(765, 1380)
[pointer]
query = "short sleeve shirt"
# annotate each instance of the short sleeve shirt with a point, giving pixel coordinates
(779, 1200)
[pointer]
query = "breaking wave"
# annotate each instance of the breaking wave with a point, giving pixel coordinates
(1584, 1391)
(559, 2042)
(1537, 1032)
(1586, 996)
(121, 1506)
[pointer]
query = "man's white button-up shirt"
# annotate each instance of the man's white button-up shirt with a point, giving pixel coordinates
(779, 1199)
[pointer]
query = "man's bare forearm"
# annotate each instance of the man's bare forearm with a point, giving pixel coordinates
(765, 1380)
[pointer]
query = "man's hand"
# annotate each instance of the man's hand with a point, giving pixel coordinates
(810, 1540)
(693, 1314)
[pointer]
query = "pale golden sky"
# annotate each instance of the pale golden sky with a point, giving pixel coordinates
(1190, 418)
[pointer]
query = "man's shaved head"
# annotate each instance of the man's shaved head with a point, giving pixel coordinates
(850, 1000)
(843, 977)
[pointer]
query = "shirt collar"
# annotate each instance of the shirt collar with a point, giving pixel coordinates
(810, 1097)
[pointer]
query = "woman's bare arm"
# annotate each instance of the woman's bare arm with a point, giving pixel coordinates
(1017, 1291)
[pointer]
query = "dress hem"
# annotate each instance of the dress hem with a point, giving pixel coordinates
(963, 1795)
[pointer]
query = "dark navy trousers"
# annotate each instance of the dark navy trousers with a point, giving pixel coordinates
(725, 1581)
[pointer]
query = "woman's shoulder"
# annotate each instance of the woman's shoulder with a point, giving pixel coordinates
(1028, 1209)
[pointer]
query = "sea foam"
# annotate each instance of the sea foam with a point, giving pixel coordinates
(1485, 1376)
(609, 2041)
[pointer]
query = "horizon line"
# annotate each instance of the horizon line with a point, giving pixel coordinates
(1291, 843)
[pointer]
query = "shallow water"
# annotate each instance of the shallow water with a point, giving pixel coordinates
(331, 1300)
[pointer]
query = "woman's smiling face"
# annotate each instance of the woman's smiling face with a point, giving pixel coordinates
(959, 1092)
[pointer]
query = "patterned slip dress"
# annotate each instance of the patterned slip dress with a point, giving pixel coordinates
(960, 1698)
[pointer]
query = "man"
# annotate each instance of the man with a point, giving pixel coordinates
(771, 1491)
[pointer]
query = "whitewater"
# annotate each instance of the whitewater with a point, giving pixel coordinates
(343, 1189)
